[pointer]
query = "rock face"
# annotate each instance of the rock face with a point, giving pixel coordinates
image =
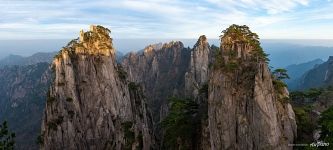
(245, 111)
(91, 105)
(160, 69)
(167, 70)
(197, 75)
(23, 90)
(95, 103)
(196, 86)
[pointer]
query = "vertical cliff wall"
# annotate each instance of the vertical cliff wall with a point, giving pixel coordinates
(196, 87)
(197, 76)
(235, 102)
(160, 69)
(245, 110)
(91, 105)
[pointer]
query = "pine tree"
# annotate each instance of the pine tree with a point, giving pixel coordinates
(6, 137)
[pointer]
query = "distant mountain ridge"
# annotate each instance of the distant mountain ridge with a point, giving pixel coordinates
(30, 60)
(23, 90)
(296, 71)
(320, 76)
(284, 54)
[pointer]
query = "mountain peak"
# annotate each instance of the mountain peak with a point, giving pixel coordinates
(150, 48)
(174, 44)
(201, 41)
(97, 41)
(238, 41)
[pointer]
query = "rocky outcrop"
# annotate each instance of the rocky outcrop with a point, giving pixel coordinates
(23, 90)
(91, 105)
(196, 86)
(95, 103)
(197, 75)
(245, 110)
(160, 69)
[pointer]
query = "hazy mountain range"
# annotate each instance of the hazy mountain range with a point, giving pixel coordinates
(282, 52)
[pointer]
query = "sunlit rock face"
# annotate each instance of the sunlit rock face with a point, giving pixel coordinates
(160, 69)
(197, 75)
(91, 105)
(95, 103)
(245, 111)
(167, 70)
(196, 83)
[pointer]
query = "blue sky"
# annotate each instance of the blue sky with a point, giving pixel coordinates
(166, 19)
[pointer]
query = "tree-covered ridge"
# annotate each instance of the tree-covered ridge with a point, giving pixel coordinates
(312, 95)
(181, 124)
(308, 124)
(313, 111)
(6, 137)
(243, 35)
(239, 46)
(326, 127)
(239, 33)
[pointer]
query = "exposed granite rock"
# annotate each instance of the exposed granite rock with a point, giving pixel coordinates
(196, 84)
(245, 111)
(160, 69)
(91, 105)
(197, 75)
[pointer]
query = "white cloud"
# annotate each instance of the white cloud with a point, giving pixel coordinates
(161, 18)
(271, 6)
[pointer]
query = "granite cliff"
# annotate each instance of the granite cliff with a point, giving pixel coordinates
(196, 88)
(240, 104)
(91, 105)
(245, 108)
(205, 98)
(160, 70)
(197, 75)
(170, 70)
